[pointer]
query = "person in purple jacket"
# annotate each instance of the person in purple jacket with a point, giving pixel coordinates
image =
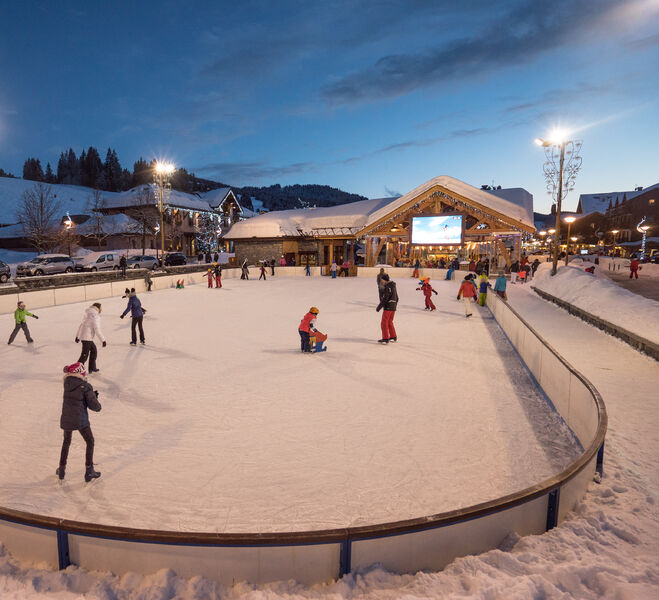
(137, 314)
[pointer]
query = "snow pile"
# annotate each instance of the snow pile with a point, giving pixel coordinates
(601, 297)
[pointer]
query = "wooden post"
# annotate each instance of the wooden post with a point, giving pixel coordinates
(331, 251)
(379, 248)
(504, 252)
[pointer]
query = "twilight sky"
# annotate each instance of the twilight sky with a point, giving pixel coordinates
(371, 97)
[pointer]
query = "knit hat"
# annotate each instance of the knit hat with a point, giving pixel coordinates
(77, 368)
(19, 303)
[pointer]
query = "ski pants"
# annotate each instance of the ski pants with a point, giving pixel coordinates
(136, 322)
(632, 273)
(482, 298)
(88, 351)
(18, 327)
(210, 281)
(218, 281)
(387, 324)
(86, 433)
(415, 273)
(262, 275)
(429, 303)
(467, 302)
(148, 286)
(305, 344)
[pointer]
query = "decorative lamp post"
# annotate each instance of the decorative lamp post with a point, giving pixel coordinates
(542, 235)
(569, 221)
(643, 227)
(68, 225)
(615, 233)
(560, 177)
(162, 173)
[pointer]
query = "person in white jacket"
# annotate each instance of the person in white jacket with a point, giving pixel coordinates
(90, 327)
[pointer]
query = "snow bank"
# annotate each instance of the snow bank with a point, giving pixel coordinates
(600, 297)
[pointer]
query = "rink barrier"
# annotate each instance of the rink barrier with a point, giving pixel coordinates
(633, 339)
(424, 543)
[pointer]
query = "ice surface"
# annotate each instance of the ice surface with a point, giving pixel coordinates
(220, 424)
(608, 549)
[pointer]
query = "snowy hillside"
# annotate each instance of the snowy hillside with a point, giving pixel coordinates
(72, 198)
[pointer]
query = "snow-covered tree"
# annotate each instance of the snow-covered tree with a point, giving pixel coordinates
(40, 216)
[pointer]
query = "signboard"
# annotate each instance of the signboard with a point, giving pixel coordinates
(438, 230)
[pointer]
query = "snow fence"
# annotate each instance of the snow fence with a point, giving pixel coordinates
(428, 542)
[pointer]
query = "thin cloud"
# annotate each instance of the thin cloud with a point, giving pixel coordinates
(391, 193)
(252, 172)
(530, 30)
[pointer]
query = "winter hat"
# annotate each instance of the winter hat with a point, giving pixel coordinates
(20, 303)
(385, 277)
(76, 368)
(313, 310)
(126, 291)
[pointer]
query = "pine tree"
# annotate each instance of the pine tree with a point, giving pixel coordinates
(62, 169)
(93, 169)
(142, 172)
(49, 177)
(32, 170)
(73, 168)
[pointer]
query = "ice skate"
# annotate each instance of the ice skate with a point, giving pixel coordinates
(383, 341)
(60, 471)
(91, 474)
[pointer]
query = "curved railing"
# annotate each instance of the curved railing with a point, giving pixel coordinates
(424, 543)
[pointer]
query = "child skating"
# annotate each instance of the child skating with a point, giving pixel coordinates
(427, 290)
(20, 315)
(307, 327)
(209, 274)
(217, 271)
(483, 283)
(79, 396)
(467, 293)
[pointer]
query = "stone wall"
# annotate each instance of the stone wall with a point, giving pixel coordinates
(257, 250)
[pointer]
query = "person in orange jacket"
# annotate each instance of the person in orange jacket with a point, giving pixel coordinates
(428, 290)
(468, 293)
(307, 326)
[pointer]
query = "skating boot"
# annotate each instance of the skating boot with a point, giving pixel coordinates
(60, 471)
(91, 474)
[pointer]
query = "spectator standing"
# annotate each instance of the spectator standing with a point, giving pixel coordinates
(333, 269)
(148, 281)
(123, 263)
(633, 268)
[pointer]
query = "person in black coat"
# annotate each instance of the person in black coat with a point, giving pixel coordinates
(79, 395)
(123, 263)
(389, 303)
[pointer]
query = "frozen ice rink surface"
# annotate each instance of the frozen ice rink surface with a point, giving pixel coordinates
(220, 424)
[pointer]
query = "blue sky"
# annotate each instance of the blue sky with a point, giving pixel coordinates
(371, 97)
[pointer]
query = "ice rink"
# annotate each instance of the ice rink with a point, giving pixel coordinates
(220, 424)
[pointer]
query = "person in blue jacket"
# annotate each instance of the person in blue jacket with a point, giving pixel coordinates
(500, 285)
(137, 314)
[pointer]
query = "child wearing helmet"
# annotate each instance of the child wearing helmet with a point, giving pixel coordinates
(307, 326)
(427, 290)
(210, 276)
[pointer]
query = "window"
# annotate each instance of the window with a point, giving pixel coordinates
(101, 259)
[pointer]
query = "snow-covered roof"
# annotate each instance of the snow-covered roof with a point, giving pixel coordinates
(477, 196)
(216, 197)
(590, 203)
(345, 219)
(175, 198)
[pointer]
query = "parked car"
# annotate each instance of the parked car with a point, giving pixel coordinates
(46, 264)
(5, 272)
(174, 259)
(104, 262)
(143, 262)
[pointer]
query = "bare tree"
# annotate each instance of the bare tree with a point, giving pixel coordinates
(40, 216)
(144, 214)
(99, 222)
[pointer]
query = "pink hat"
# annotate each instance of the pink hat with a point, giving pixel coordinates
(77, 368)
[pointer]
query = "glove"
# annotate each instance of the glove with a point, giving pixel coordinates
(77, 341)
(105, 344)
(96, 392)
(378, 309)
(122, 316)
(434, 292)
(35, 316)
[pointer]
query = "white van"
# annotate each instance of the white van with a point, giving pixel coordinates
(105, 262)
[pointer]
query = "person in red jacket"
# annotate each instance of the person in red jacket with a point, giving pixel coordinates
(307, 325)
(428, 290)
(210, 278)
(633, 268)
(468, 293)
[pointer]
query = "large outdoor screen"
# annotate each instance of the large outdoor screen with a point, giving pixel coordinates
(439, 230)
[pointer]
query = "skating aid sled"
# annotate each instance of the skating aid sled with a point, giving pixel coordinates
(317, 341)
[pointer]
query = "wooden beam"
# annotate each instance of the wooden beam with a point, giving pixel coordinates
(377, 252)
(504, 252)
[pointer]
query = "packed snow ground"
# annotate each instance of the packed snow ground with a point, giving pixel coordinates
(607, 549)
(220, 424)
(600, 296)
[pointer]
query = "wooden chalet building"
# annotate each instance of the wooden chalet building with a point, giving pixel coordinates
(372, 231)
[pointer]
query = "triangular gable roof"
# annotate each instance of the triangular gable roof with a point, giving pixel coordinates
(499, 207)
(216, 198)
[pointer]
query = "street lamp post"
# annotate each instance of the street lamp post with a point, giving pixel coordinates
(615, 233)
(569, 221)
(561, 176)
(162, 174)
(643, 227)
